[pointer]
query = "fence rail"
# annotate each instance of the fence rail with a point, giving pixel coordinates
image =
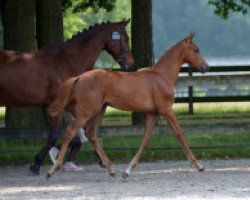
(217, 76)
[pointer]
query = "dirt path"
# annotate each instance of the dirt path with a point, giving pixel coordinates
(223, 179)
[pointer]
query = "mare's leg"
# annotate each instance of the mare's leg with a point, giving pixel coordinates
(54, 131)
(69, 133)
(91, 133)
(171, 119)
(148, 129)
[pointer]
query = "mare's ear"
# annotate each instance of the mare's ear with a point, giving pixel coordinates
(125, 22)
(189, 38)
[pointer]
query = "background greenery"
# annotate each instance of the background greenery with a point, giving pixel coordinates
(216, 37)
(173, 20)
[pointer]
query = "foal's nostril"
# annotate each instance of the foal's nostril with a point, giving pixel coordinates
(204, 68)
(207, 68)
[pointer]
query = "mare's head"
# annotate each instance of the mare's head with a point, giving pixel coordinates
(117, 44)
(192, 55)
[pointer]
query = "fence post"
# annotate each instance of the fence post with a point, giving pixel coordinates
(190, 93)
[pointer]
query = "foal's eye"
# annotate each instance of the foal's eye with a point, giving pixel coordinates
(196, 49)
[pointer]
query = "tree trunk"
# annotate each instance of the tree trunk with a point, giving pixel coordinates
(18, 19)
(19, 35)
(18, 22)
(49, 26)
(142, 45)
(49, 22)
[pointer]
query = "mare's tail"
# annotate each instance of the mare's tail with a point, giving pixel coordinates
(62, 99)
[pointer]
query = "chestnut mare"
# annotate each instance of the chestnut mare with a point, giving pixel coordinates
(31, 79)
(150, 91)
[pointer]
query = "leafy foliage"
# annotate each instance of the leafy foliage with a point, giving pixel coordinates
(77, 21)
(223, 7)
(83, 5)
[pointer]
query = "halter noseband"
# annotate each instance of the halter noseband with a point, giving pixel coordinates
(117, 36)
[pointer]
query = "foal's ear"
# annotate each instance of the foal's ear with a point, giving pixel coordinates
(189, 38)
(125, 22)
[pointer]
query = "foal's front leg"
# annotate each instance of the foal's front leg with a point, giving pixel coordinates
(148, 130)
(91, 133)
(69, 133)
(171, 119)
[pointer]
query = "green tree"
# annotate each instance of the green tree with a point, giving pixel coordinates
(82, 5)
(74, 22)
(224, 7)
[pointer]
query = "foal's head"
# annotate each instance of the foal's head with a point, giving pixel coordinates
(117, 44)
(193, 56)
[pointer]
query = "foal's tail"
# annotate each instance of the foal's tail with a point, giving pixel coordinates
(63, 96)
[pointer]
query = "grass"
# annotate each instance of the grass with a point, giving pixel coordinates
(232, 108)
(201, 110)
(122, 148)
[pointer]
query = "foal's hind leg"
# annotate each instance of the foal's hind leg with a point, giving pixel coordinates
(170, 117)
(91, 133)
(148, 129)
(69, 133)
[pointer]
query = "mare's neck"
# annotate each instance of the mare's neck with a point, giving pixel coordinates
(83, 51)
(169, 64)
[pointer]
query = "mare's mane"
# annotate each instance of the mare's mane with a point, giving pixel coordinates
(89, 31)
(84, 35)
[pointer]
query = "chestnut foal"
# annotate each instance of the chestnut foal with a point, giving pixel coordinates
(149, 91)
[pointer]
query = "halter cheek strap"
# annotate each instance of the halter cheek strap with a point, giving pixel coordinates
(116, 36)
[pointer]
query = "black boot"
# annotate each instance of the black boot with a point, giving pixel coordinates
(75, 146)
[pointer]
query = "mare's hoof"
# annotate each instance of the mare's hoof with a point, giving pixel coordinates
(35, 169)
(125, 175)
(113, 175)
(201, 169)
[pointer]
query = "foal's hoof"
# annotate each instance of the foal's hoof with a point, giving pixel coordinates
(125, 175)
(201, 169)
(113, 175)
(48, 176)
(35, 169)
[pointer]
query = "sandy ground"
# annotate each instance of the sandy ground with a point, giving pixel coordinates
(223, 179)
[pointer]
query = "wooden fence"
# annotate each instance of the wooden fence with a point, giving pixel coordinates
(230, 76)
(188, 81)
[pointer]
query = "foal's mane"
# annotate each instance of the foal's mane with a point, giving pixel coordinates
(168, 51)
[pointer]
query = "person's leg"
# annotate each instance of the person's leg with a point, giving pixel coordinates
(75, 146)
